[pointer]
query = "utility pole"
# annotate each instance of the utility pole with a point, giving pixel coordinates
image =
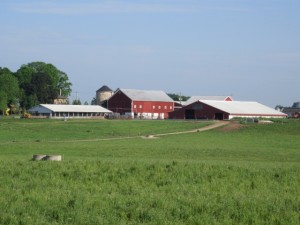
(76, 93)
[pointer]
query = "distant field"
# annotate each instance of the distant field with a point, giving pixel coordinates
(245, 175)
(49, 130)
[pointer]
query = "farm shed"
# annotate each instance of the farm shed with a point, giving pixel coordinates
(68, 111)
(193, 99)
(292, 112)
(224, 110)
(141, 103)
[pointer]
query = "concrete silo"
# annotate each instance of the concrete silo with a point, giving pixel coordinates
(102, 95)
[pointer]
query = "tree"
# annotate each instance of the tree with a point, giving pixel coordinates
(178, 97)
(56, 81)
(76, 102)
(94, 101)
(86, 103)
(9, 89)
(41, 87)
(3, 101)
(296, 105)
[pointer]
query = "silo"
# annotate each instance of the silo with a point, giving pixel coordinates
(103, 94)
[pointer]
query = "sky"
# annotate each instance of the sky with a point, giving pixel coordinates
(249, 49)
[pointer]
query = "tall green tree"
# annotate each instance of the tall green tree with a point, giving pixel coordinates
(3, 102)
(9, 89)
(76, 102)
(54, 82)
(41, 87)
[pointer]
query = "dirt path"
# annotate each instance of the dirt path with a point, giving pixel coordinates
(209, 127)
(217, 123)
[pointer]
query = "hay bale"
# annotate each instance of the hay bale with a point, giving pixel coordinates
(38, 157)
(53, 158)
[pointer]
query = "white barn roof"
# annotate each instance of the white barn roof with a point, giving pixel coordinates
(44, 108)
(145, 95)
(243, 108)
(193, 99)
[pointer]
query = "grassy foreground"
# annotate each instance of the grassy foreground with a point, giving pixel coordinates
(244, 176)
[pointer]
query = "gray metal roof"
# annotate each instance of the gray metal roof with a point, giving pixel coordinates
(193, 99)
(243, 108)
(69, 108)
(145, 95)
(104, 88)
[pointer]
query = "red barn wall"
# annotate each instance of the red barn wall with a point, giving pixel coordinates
(200, 110)
(153, 107)
(119, 103)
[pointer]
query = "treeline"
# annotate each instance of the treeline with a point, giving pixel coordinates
(32, 84)
(178, 97)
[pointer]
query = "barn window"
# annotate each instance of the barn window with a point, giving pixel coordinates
(197, 106)
(153, 107)
(159, 107)
(170, 107)
(134, 106)
(141, 106)
(165, 107)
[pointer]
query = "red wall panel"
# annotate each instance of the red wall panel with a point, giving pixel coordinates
(119, 103)
(201, 111)
(153, 107)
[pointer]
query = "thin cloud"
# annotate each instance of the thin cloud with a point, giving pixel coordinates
(117, 7)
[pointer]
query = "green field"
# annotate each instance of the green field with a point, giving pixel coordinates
(110, 175)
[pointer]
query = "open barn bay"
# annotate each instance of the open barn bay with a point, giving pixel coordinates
(110, 174)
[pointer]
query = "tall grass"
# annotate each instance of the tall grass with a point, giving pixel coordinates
(131, 192)
(246, 176)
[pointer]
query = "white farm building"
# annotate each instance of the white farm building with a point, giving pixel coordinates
(68, 111)
(225, 110)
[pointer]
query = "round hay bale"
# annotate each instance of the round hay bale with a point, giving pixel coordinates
(53, 158)
(38, 157)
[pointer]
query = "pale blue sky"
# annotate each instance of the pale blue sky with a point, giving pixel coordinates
(246, 48)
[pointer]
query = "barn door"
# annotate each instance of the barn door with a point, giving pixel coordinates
(219, 116)
(190, 114)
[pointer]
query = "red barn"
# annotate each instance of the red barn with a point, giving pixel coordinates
(141, 103)
(224, 110)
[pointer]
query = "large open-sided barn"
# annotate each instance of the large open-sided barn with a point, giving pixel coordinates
(224, 110)
(193, 99)
(68, 111)
(141, 103)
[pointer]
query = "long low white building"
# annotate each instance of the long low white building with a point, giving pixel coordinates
(224, 110)
(68, 111)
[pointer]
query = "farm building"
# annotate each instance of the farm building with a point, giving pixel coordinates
(68, 111)
(224, 110)
(102, 94)
(141, 103)
(62, 100)
(199, 98)
(180, 104)
(292, 112)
